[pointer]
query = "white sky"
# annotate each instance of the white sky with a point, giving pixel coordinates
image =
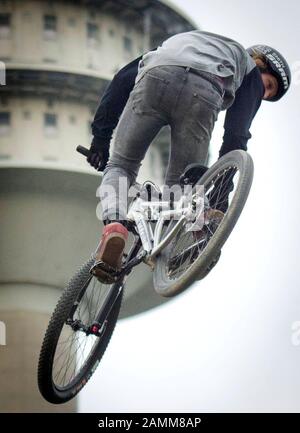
(226, 343)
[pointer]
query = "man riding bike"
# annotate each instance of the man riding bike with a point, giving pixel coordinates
(184, 83)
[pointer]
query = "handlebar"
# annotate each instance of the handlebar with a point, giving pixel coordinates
(86, 152)
(83, 150)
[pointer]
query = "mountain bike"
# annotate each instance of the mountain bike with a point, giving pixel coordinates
(162, 237)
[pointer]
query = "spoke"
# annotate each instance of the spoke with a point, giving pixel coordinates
(74, 347)
(86, 303)
(97, 303)
(77, 347)
(66, 360)
(80, 352)
(186, 250)
(78, 310)
(69, 363)
(221, 189)
(62, 352)
(90, 302)
(212, 233)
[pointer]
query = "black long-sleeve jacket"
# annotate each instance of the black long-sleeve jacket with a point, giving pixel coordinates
(238, 118)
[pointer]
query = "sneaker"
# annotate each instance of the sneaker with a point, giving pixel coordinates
(213, 216)
(109, 253)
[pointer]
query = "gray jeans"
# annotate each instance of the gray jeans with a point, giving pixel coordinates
(165, 95)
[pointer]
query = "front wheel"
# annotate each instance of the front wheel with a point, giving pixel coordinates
(74, 344)
(191, 255)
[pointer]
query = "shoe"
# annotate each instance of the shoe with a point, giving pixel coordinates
(109, 253)
(213, 216)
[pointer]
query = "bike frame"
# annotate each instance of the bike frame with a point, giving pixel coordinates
(160, 211)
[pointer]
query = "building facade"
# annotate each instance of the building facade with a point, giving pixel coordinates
(59, 56)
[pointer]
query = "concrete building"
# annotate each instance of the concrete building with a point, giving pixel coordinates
(59, 57)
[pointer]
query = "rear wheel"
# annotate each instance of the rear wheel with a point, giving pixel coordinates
(191, 255)
(74, 344)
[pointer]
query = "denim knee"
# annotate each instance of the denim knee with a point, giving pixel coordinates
(120, 170)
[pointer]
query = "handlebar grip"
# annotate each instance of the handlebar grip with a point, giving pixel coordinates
(83, 150)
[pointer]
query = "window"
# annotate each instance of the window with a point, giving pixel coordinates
(92, 12)
(3, 101)
(4, 123)
(72, 119)
(5, 25)
(26, 115)
(50, 119)
(47, 60)
(92, 33)
(27, 16)
(72, 22)
(50, 103)
(50, 26)
(3, 71)
(50, 124)
(127, 42)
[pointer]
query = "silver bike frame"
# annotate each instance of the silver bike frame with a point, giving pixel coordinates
(160, 211)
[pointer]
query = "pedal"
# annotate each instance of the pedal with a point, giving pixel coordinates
(192, 174)
(105, 273)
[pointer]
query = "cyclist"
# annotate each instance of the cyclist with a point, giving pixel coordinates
(183, 83)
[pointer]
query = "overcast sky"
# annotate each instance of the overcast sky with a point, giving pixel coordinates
(227, 344)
